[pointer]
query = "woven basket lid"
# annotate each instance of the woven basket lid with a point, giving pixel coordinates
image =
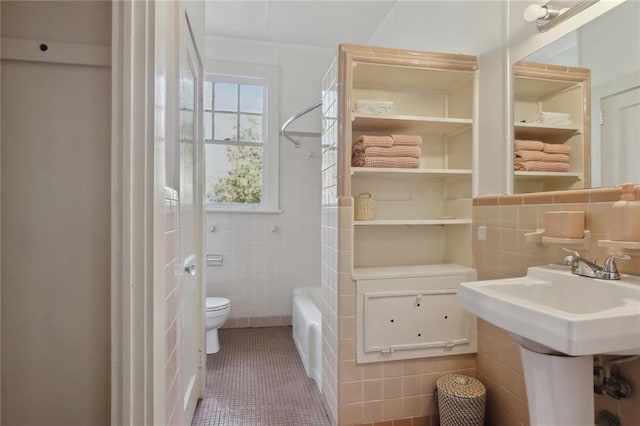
(460, 386)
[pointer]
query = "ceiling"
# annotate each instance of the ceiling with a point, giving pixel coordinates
(457, 26)
(319, 23)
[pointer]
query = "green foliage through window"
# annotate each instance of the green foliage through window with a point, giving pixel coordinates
(243, 183)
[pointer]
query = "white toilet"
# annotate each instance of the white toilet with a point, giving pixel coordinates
(217, 312)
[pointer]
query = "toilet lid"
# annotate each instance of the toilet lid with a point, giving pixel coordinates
(217, 303)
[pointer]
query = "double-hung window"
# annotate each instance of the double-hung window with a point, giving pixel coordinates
(241, 142)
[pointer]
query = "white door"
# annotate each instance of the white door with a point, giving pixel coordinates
(620, 137)
(191, 325)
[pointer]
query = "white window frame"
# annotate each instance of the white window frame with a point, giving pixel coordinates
(271, 136)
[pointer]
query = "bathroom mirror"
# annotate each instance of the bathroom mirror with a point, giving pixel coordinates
(608, 128)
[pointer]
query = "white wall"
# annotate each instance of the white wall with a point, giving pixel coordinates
(262, 267)
(56, 220)
(468, 27)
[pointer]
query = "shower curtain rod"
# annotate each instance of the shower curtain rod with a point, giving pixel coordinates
(283, 130)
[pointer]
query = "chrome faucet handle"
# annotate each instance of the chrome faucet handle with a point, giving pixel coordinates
(610, 268)
(572, 258)
(573, 252)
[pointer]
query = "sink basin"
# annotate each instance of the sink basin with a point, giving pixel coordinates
(552, 308)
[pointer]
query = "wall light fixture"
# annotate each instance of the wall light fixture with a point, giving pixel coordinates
(548, 16)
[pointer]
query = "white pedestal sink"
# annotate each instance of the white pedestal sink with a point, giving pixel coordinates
(561, 321)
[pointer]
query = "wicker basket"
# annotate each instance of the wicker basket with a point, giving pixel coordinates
(461, 400)
(365, 207)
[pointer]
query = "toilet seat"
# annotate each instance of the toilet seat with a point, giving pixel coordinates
(217, 303)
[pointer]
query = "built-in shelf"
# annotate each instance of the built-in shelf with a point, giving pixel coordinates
(395, 222)
(408, 271)
(523, 175)
(539, 237)
(390, 172)
(626, 245)
(408, 123)
(541, 131)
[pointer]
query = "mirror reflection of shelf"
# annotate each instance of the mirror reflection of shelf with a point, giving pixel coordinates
(541, 175)
(539, 131)
(539, 237)
(626, 245)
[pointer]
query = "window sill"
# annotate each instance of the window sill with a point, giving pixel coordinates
(256, 211)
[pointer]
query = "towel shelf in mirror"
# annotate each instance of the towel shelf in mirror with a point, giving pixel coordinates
(539, 132)
(626, 245)
(538, 237)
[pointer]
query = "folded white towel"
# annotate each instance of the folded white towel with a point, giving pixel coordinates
(551, 118)
(367, 106)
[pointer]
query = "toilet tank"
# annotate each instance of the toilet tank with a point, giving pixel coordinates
(412, 312)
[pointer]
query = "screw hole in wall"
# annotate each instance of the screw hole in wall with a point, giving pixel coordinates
(391, 320)
(44, 47)
(446, 316)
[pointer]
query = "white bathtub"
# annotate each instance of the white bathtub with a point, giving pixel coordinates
(306, 320)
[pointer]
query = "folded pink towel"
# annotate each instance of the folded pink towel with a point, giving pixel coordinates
(415, 140)
(541, 166)
(394, 162)
(557, 148)
(369, 140)
(519, 145)
(525, 155)
(383, 151)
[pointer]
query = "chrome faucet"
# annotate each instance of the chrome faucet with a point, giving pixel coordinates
(587, 268)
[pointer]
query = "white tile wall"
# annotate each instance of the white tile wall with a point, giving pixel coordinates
(330, 241)
(261, 268)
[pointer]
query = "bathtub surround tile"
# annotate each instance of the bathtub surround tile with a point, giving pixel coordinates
(241, 378)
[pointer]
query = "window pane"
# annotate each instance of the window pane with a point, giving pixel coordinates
(234, 174)
(250, 128)
(251, 98)
(208, 95)
(208, 125)
(225, 97)
(225, 127)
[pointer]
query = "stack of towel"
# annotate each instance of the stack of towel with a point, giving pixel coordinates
(399, 151)
(537, 156)
(551, 118)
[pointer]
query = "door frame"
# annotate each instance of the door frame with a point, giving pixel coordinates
(132, 201)
(136, 202)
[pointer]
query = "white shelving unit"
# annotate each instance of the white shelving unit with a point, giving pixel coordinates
(539, 88)
(423, 222)
(423, 214)
(410, 259)
(408, 123)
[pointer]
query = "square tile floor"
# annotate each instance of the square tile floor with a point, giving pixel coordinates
(257, 378)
